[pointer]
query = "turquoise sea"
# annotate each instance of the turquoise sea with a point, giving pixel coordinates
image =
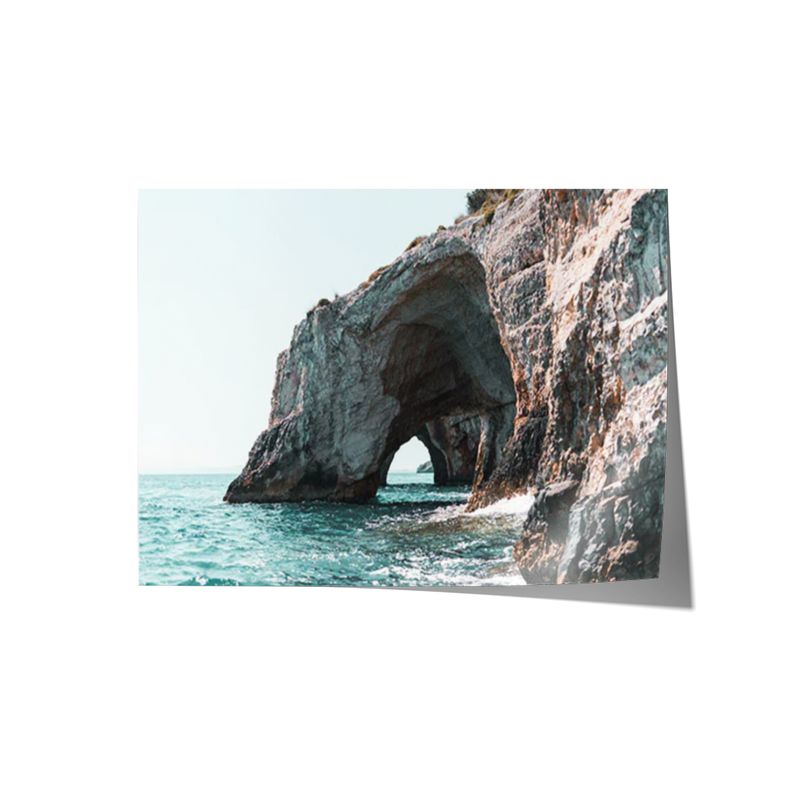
(412, 534)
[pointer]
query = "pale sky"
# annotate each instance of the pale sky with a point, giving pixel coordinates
(224, 276)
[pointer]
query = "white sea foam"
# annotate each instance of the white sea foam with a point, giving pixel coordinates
(517, 505)
(447, 512)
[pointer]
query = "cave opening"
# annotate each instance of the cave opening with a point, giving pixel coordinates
(413, 458)
(417, 354)
(452, 379)
(427, 454)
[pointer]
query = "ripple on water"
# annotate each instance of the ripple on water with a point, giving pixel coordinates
(411, 534)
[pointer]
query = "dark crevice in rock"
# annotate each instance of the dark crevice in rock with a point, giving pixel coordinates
(516, 468)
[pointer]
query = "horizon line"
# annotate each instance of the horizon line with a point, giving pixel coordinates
(233, 472)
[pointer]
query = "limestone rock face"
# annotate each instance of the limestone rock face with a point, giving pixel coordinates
(527, 349)
(594, 430)
(416, 344)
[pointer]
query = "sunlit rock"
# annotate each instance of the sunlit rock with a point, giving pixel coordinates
(526, 347)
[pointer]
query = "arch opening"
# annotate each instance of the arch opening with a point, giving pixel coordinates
(449, 448)
(451, 377)
(417, 353)
(413, 457)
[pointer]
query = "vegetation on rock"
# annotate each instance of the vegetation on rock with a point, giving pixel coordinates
(476, 199)
(486, 201)
(323, 301)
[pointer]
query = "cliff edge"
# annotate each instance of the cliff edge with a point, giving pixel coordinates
(526, 346)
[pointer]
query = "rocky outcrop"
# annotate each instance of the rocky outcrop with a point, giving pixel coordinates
(590, 364)
(365, 373)
(526, 347)
(453, 444)
(425, 468)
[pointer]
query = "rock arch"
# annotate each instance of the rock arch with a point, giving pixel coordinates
(416, 351)
(452, 444)
(566, 290)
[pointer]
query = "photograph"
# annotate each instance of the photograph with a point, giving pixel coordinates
(482, 403)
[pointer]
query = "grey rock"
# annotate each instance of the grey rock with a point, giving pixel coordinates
(453, 443)
(366, 372)
(527, 350)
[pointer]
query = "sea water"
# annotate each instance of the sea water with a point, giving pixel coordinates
(412, 534)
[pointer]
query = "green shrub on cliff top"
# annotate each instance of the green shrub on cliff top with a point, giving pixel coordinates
(511, 195)
(323, 301)
(479, 199)
(475, 199)
(485, 201)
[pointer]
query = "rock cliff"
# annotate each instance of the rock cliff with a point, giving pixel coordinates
(526, 346)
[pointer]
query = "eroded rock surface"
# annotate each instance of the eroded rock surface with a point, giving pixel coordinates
(453, 443)
(527, 349)
(368, 371)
